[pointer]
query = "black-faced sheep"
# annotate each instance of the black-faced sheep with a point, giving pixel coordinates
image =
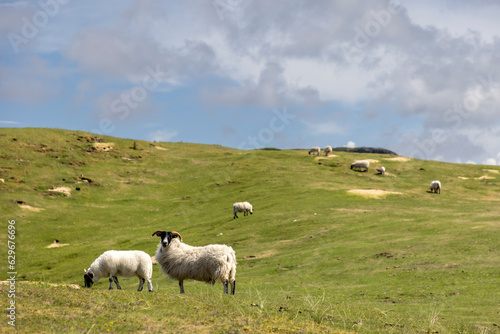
(381, 170)
(120, 263)
(244, 207)
(314, 149)
(435, 187)
(210, 263)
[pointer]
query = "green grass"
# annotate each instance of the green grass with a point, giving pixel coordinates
(313, 257)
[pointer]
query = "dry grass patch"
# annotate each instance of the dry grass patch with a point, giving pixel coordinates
(373, 193)
(267, 253)
(400, 159)
(485, 177)
(30, 208)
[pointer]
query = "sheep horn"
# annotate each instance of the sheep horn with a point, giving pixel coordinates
(176, 234)
(157, 233)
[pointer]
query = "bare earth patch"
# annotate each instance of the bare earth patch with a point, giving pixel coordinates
(103, 147)
(372, 193)
(30, 208)
(372, 161)
(65, 190)
(492, 171)
(161, 148)
(463, 178)
(400, 159)
(56, 244)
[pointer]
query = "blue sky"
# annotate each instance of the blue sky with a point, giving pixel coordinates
(419, 78)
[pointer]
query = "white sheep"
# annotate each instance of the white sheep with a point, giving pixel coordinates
(244, 207)
(435, 187)
(210, 263)
(361, 165)
(315, 149)
(328, 150)
(123, 263)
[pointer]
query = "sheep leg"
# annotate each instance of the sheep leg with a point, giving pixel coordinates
(235, 215)
(150, 285)
(181, 285)
(141, 284)
(225, 287)
(111, 282)
(233, 287)
(117, 284)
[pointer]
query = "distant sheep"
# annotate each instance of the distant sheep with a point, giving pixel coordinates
(244, 207)
(315, 149)
(435, 187)
(361, 165)
(381, 170)
(208, 264)
(328, 150)
(124, 263)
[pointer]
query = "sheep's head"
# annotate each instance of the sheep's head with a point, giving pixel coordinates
(88, 276)
(166, 237)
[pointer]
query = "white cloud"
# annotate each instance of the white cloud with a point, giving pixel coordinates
(351, 144)
(162, 135)
(490, 161)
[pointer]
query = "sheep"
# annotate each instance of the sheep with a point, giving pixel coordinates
(328, 150)
(124, 263)
(435, 187)
(210, 263)
(315, 149)
(244, 207)
(381, 170)
(361, 165)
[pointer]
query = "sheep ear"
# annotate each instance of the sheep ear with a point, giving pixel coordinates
(176, 234)
(157, 233)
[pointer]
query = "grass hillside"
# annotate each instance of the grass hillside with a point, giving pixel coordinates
(327, 249)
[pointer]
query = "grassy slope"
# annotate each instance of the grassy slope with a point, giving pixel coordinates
(312, 256)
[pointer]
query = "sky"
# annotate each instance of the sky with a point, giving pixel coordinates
(421, 78)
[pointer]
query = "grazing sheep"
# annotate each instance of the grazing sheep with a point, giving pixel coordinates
(361, 165)
(328, 150)
(210, 263)
(244, 207)
(124, 263)
(381, 170)
(315, 149)
(435, 187)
